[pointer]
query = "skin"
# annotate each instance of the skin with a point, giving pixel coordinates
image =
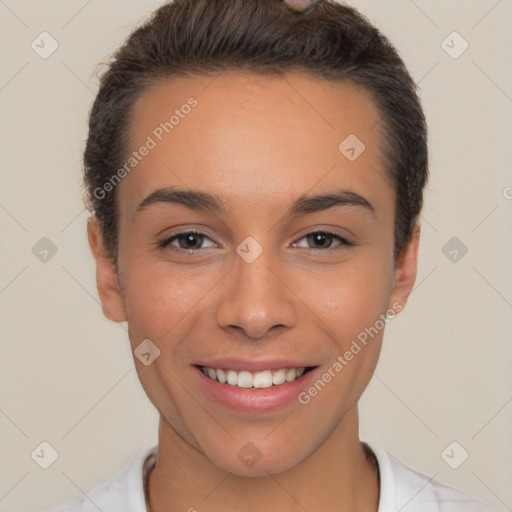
(258, 142)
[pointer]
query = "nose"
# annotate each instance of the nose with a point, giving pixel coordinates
(257, 299)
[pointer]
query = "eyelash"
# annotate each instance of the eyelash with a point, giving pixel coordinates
(165, 242)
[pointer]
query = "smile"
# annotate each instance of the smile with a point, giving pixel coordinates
(249, 379)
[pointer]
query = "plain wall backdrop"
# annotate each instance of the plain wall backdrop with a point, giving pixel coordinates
(67, 374)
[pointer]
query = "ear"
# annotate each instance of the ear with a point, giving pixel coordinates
(406, 268)
(106, 275)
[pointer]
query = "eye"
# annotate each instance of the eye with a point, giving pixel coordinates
(186, 242)
(324, 239)
(191, 241)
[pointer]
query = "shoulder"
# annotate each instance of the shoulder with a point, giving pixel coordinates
(122, 492)
(403, 488)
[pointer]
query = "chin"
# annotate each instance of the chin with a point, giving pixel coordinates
(249, 461)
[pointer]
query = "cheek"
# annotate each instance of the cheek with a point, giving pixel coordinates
(354, 297)
(157, 298)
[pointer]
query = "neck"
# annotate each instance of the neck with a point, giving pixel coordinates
(340, 475)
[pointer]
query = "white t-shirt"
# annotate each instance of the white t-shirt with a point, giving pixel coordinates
(401, 489)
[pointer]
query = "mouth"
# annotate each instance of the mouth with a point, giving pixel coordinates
(261, 379)
(253, 386)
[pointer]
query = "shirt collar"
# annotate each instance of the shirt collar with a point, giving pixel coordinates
(386, 477)
(387, 497)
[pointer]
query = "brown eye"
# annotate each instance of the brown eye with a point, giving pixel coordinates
(320, 239)
(190, 241)
(186, 241)
(324, 240)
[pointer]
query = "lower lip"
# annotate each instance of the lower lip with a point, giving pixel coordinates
(254, 399)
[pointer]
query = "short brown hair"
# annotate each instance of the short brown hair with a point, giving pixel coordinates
(331, 41)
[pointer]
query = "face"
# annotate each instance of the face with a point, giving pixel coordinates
(254, 248)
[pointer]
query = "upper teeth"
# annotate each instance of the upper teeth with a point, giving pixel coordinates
(246, 379)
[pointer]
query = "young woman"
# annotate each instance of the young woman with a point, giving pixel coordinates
(255, 172)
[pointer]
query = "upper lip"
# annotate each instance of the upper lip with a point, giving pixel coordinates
(252, 365)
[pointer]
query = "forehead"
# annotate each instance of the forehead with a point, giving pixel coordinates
(242, 135)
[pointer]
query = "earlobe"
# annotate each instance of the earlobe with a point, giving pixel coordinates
(406, 268)
(106, 275)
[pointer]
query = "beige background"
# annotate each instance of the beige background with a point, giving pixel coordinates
(67, 374)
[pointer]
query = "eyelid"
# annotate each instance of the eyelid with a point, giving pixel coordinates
(328, 230)
(343, 241)
(178, 230)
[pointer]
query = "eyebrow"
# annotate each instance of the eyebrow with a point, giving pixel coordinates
(310, 204)
(305, 204)
(192, 199)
